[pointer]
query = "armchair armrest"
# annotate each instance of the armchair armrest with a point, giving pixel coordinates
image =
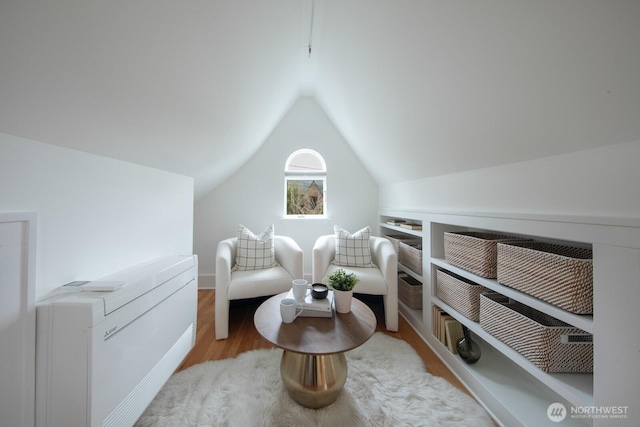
(224, 261)
(384, 256)
(324, 252)
(289, 255)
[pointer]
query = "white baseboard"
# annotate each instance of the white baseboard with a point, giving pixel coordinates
(206, 281)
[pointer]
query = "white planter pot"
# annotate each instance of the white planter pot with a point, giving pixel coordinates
(343, 301)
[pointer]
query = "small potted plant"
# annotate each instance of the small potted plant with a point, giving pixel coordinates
(343, 284)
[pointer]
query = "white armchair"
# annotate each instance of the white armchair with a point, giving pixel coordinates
(382, 280)
(234, 285)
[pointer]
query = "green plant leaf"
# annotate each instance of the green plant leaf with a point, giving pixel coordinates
(341, 281)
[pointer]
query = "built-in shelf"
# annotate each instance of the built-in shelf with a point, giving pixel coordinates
(417, 233)
(582, 321)
(410, 272)
(576, 388)
(413, 316)
(514, 390)
(524, 398)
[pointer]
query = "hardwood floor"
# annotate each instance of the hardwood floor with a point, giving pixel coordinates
(244, 337)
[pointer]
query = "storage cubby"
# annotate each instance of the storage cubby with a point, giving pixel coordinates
(408, 236)
(510, 386)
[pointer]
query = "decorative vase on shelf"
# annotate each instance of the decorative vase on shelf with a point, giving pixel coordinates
(342, 300)
(468, 349)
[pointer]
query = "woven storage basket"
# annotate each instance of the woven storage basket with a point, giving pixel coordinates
(410, 255)
(560, 275)
(397, 238)
(550, 344)
(459, 293)
(474, 251)
(410, 291)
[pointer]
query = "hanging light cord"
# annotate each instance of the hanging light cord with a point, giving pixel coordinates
(313, 7)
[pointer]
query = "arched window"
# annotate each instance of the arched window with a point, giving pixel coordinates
(305, 185)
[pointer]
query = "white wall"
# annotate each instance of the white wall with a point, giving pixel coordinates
(596, 182)
(253, 196)
(95, 215)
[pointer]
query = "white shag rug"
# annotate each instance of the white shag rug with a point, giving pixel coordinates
(387, 385)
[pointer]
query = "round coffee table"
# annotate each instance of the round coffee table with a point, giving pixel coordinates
(313, 366)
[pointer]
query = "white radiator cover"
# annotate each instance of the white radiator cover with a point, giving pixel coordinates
(101, 357)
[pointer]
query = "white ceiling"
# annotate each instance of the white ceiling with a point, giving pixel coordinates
(418, 88)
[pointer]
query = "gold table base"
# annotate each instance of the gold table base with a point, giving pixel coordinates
(313, 381)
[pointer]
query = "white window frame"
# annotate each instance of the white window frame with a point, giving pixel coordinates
(319, 176)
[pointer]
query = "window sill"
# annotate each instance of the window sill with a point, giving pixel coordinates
(306, 217)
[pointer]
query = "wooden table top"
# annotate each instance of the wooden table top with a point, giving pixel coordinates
(315, 335)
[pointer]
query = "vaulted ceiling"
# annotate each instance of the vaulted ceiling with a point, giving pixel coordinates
(430, 86)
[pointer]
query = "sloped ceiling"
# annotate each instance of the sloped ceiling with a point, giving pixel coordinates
(417, 88)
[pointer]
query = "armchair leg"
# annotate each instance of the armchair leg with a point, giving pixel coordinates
(222, 319)
(390, 314)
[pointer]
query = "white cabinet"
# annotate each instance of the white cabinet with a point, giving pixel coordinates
(514, 390)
